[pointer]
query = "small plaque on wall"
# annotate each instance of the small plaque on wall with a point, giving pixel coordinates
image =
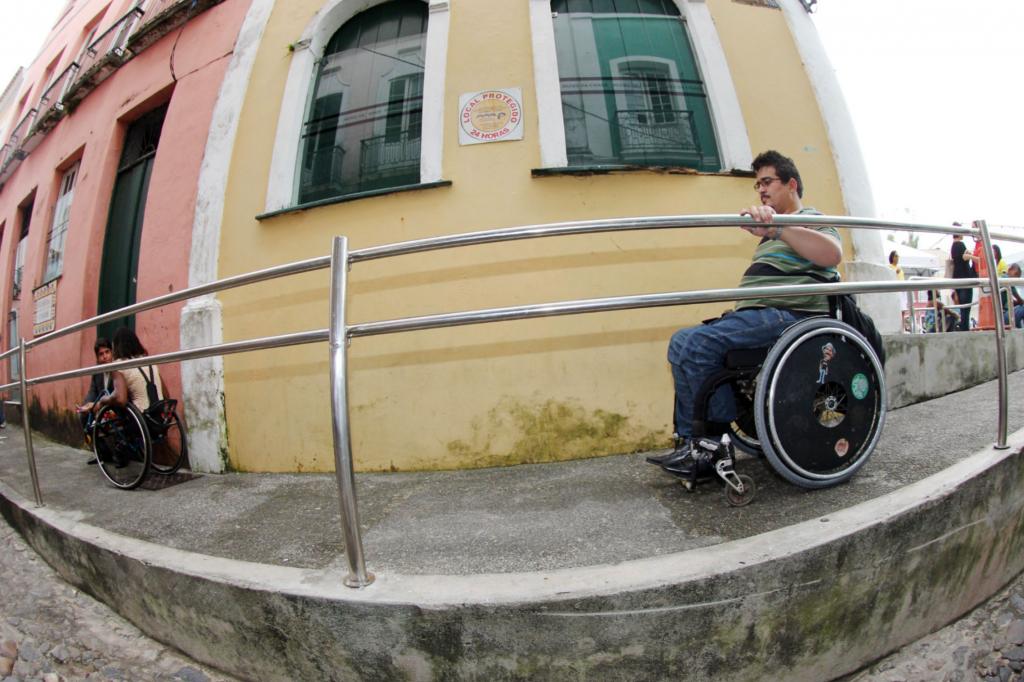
(45, 298)
(491, 116)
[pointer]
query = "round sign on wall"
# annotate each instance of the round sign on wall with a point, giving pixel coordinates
(491, 116)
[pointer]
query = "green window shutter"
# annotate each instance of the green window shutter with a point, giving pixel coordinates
(631, 89)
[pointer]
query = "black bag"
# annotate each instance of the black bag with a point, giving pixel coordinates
(151, 391)
(844, 307)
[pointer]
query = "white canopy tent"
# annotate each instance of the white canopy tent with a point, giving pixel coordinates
(917, 261)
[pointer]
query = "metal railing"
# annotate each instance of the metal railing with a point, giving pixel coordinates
(53, 98)
(341, 332)
(111, 49)
(111, 41)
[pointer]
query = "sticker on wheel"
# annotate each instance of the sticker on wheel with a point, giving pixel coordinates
(859, 386)
(842, 447)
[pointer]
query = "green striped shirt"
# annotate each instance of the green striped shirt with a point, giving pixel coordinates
(775, 263)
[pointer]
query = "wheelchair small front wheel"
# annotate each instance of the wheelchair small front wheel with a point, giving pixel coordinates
(820, 403)
(121, 444)
(737, 499)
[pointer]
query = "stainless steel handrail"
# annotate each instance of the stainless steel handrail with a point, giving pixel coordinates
(637, 224)
(525, 312)
(340, 333)
(192, 292)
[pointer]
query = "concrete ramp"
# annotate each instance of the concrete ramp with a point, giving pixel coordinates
(597, 569)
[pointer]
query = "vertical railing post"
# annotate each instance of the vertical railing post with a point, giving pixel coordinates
(358, 576)
(26, 425)
(912, 311)
(997, 307)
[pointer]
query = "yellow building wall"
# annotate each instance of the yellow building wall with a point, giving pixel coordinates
(509, 392)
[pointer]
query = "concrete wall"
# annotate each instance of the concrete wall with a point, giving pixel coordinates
(517, 392)
(809, 602)
(924, 366)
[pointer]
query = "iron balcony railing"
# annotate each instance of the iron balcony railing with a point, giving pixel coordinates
(389, 155)
(125, 38)
(21, 131)
(341, 332)
(661, 131)
(53, 97)
(15, 146)
(109, 46)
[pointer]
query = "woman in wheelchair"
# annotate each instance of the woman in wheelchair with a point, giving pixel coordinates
(776, 375)
(135, 422)
(139, 386)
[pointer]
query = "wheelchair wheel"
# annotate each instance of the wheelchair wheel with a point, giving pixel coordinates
(743, 429)
(170, 448)
(121, 443)
(820, 403)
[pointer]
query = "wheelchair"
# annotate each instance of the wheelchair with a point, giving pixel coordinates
(128, 443)
(812, 406)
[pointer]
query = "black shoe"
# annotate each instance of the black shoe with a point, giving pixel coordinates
(91, 461)
(679, 446)
(678, 457)
(692, 464)
(662, 458)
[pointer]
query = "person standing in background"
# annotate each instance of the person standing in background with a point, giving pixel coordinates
(963, 268)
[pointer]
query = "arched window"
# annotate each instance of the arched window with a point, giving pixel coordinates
(631, 89)
(363, 126)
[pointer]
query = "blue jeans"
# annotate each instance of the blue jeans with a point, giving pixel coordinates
(696, 352)
(1018, 316)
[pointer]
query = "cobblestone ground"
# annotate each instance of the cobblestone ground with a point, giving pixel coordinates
(986, 644)
(52, 632)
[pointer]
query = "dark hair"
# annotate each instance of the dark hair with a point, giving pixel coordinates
(1012, 266)
(101, 342)
(784, 168)
(999, 252)
(127, 345)
(893, 256)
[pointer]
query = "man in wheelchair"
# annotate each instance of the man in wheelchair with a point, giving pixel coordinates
(786, 255)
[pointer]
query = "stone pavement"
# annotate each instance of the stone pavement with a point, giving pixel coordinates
(986, 644)
(52, 632)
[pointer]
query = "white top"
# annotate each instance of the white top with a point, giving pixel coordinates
(136, 383)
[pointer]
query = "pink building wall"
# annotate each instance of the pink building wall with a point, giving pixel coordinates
(94, 135)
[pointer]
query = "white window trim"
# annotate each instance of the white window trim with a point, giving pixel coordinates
(282, 186)
(726, 114)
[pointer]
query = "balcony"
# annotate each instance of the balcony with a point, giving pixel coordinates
(163, 16)
(129, 36)
(20, 143)
(665, 135)
(384, 158)
(51, 104)
(102, 57)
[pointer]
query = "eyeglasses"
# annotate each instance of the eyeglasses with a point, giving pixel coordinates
(763, 183)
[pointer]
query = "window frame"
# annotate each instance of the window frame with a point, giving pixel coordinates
(25, 215)
(62, 212)
(286, 161)
(730, 129)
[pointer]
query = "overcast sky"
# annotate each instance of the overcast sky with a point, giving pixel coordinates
(933, 87)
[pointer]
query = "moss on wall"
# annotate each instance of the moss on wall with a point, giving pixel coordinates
(549, 431)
